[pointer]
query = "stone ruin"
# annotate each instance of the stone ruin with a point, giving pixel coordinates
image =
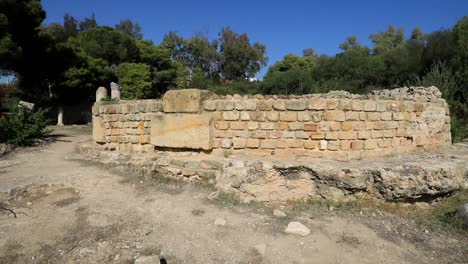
(287, 148)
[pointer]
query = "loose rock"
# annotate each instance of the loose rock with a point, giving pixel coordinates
(297, 228)
(220, 222)
(148, 260)
(279, 213)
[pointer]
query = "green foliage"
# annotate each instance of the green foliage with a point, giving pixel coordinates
(130, 28)
(108, 44)
(238, 58)
(22, 126)
(110, 99)
(135, 81)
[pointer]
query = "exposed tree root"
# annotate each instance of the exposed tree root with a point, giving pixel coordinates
(9, 210)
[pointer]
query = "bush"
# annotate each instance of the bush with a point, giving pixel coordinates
(22, 126)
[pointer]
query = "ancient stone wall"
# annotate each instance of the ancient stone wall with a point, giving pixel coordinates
(337, 125)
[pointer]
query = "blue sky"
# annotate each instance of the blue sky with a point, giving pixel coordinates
(283, 26)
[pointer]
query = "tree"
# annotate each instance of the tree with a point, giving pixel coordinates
(108, 44)
(309, 52)
(387, 40)
(204, 55)
(135, 80)
(88, 23)
(19, 32)
(351, 42)
(70, 25)
(238, 58)
(164, 71)
(130, 28)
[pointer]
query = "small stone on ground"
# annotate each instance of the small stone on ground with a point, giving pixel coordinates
(220, 222)
(278, 213)
(297, 228)
(148, 260)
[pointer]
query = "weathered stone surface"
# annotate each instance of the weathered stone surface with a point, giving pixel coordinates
(101, 93)
(296, 228)
(184, 101)
(189, 131)
(115, 91)
(279, 213)
(99, 130)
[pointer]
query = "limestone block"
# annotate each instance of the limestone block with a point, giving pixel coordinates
(352, 115)
(257, 116)
(209, 105)
(238, 125)
(268, 144)
(266, 105)
(333, 145)
(279, 105)
(245, 116)
(311, 127)
(296, 105)
(253, 143)
(288, 116)
(272, 116)
(357, 105)
(317, 104)
(101, 93)
(370, 106)
(239, 143)
(332, 104)
(309, 144)
(296, 126)
(99, 130)
(189, 131)
(221, 125)
(346, 126)
(184, 101)
(335, 115)
(231, 116)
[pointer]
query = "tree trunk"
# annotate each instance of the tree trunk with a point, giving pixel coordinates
(60, 116)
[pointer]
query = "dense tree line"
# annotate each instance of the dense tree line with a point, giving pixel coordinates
(439, 58)
(65, 62)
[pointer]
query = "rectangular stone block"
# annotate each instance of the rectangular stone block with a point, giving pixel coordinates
(252, 143)
(288, 116)
(268, 144)
(310, 127)
(310, 144)
(239, 143)
(335, 115)
(231, 116)
(188, 131)
(184, 101)
(317, 104)
(238, 125)
(99, 131)
(348, 135)
(296, 104)
(265, 105)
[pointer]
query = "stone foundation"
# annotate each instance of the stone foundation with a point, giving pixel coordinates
(337, 125)
(408, 178)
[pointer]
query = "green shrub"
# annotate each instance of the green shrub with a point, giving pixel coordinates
(22, 126)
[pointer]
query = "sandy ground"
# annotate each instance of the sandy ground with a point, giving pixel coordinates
(71, 211)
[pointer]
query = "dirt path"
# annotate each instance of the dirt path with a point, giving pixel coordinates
(75, 212)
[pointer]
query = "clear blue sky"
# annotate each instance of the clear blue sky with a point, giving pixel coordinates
(283, 26)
